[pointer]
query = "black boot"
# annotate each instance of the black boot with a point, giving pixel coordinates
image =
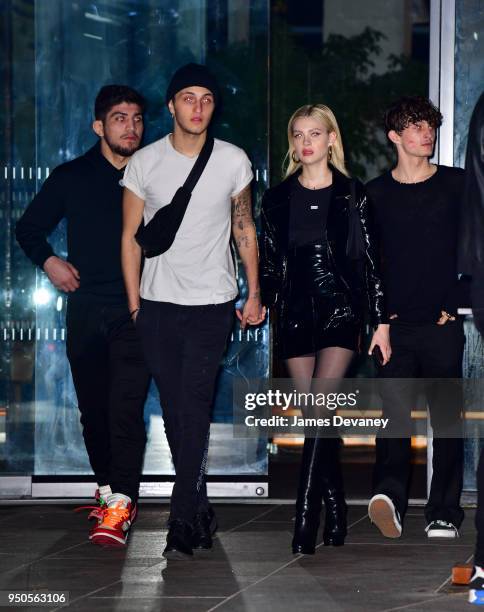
(179, 540)
(309, 498)
(335, 523)
(204, 526)
(333, 494)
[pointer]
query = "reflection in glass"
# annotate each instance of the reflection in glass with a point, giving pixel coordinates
(58, 54)
(354, 57)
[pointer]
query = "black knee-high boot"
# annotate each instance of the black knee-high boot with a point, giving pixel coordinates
(309, 498)
(320, 477)
(333, 494)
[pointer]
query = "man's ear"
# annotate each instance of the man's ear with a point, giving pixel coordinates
(394, 137)
(98, 127)
(171, 108)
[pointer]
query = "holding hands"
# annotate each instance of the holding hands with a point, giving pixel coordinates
(252, 313)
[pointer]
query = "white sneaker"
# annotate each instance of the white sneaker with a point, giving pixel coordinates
(476, 586)
(441, 529)
(384, 515)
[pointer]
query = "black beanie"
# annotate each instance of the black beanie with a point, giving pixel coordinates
(192, 75)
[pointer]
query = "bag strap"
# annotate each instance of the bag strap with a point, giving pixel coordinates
(199, 166)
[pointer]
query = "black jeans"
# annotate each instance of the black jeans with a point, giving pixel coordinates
(423, 351)
(183, 346)
(111, 381)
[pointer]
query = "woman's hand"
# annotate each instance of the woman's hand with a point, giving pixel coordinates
(253, 312)
(381, 338)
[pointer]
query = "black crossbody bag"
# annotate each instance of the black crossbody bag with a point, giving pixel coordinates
(159, 233)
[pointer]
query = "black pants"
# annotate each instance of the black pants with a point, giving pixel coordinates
(111, 381)
(423, 351)
(183, 346)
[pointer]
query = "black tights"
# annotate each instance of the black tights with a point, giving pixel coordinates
(332, 363)
(320, 372)
(320, 459)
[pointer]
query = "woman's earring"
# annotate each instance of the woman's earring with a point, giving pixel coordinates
(330, 152)
(294, 158)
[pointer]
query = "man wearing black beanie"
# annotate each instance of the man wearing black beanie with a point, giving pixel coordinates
(189, 74)
(184, 306)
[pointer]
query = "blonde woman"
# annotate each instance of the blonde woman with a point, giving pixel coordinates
(317, 263)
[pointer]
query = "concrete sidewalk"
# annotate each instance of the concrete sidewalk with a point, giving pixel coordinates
(250, 568)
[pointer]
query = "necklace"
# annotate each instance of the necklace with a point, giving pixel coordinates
(320, 185)
(420, 179)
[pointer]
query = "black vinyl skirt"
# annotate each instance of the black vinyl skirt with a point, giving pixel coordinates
(311, 317)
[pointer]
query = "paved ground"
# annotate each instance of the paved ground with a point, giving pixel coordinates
(250, 568)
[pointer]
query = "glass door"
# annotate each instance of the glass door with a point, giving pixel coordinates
(58, 54)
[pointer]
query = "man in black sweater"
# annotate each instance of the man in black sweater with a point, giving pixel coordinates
(108, 370)
(416, 207)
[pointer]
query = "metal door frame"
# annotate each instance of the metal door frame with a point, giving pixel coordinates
(441, 92)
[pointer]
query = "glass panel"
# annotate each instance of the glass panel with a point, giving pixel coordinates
(356, 57)
(469, 79)
(58, 65)
(17, 275)
(469, 70)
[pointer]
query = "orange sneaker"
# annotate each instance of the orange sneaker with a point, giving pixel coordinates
(114, 523)
(96, 511)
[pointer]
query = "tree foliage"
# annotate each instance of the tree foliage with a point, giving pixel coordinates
(341, 74)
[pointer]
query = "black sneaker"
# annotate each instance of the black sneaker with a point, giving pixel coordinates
(204, 526)
(441, 529)
(179, 540)
(385, 516)
(476, 586)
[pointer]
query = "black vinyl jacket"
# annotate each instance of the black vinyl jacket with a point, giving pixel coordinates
(352, 277)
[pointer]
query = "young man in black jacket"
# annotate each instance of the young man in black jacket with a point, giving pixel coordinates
(416, 207)
(108, 370)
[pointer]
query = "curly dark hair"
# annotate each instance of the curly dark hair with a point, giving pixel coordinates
(409, 110)
(111, 95)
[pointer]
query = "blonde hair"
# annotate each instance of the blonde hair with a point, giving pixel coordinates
(326, 116)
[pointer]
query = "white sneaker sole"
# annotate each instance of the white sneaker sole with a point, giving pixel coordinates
(382, 514)
(476, 597)
(442, 533)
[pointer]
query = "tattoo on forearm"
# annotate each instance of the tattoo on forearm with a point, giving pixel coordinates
(243, 241)
(242, 210)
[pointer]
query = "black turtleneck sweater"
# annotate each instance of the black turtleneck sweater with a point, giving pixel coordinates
(86, 192)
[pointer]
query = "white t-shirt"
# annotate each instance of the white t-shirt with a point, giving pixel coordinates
(198, 268)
